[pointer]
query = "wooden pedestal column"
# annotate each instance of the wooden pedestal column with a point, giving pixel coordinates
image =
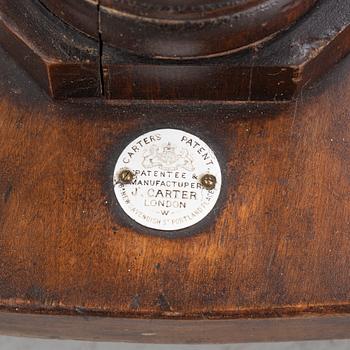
(270, 262)
(272, 265)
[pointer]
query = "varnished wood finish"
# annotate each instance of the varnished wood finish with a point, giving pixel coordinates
(199, 28)
(277, 244)
(82, 14)
(177, 28)
(64, 62)
(69, 64)
(276, 71)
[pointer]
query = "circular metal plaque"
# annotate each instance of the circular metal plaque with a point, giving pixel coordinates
(167, 179)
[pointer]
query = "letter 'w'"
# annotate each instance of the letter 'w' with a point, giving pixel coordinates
(165, 212)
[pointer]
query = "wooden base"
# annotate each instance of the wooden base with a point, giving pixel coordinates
(279, 246)
(178, 29)
(69, 64)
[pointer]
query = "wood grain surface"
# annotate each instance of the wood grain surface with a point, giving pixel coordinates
(274, 71)
(63, 61)
(68, 63)
(179, 29)
(277, 244)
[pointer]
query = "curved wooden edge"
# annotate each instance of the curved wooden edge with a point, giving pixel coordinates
(166, 31)
(82, 14)
(69, 64)
(307, 150)
(201, 37)
(182, 9)
(276, 71)
(175, 331)
(63, 61)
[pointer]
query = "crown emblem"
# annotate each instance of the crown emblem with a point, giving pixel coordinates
(167, 157)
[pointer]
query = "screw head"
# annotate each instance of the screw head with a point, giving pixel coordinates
(208, 181)
(126, 176)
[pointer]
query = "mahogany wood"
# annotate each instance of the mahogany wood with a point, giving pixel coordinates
(275, 71)
(178, 28)
(63, 61)
(199, 28)
(82, 14)
(70, 64)
(271, 264)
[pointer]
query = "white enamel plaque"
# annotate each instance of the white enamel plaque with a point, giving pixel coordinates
(166, 192)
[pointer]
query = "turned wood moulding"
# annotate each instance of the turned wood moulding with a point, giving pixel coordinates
(180, 28)
(108, 49)
(269, 258)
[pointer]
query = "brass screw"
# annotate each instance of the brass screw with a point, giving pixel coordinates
(126, 176)
(208, 181)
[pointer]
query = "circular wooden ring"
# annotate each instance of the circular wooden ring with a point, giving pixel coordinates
(181, 29)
